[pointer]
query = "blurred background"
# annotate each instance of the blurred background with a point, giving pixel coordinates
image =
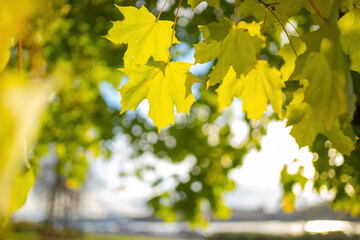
(72, 167)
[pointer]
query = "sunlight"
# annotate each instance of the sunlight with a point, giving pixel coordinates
(324, 226)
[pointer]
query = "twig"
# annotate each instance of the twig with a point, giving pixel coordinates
(297, 31)
(236, 12)
(269, 7)
(173, 31)
(262, 32)
(162, 9)
(317, 11)
(20, 51)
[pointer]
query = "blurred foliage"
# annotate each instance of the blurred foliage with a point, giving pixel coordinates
(204, 139)
(21, 104)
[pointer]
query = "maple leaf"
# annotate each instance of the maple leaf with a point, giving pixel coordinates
(326, 68)
(323, 6)
(145, 35)
(288, 54)
(288, 8)
(282, 8)
(348, 4)
(261, 85)
(230, 87)
(233, 45)
(306, 127)
(163, 85)
(349, 26)
(252, 8)
(214, 33)
(212, 3)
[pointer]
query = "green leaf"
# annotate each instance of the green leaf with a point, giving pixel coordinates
(347, 4)
(261, 85)
(212, 3)
(214, 34)
(283, 9)
(305, 127)
(238, 48)
(349, 27)
(288, 54)
(323, 6)
(163, 85)
(326, 68)
(252, 8)
(288, 8)
(145, 35)
(339, 140)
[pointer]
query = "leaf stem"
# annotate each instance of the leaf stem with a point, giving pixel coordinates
(19, 51)
(236, 12)
(162, 9)
(173, 31)
(269, 7)
(262, 31)
(316, 10)
(297, 31)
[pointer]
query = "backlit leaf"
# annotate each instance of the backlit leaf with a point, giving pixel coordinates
(282, 8)
(230, 87)
(261, 85)
(212, 3)
(163, 85)
(288, 54)
(145, 35)
(213, 34)
(288, 8)
(349, 27)
(305, 127)
(252, 8)
(238, 48)
(326, 67)
(323, 6)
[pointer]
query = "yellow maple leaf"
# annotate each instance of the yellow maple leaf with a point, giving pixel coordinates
(261, 85)
(145, 35)
(163, 84)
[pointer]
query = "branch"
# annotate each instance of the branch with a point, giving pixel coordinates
(162, 9)
(316, 10)
(20, 51)
(173, 31)
(270, 8)
(297, 31)
(262, 31)
(236, 12)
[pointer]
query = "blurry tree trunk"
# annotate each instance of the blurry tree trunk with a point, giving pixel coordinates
(63, 203)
